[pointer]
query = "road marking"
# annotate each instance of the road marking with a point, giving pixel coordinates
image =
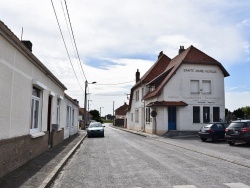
(236, 185)
(184, 186)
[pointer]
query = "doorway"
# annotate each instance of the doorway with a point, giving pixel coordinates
(49, 121)
(171, 118)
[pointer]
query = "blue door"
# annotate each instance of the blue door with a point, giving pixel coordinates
(171, 118)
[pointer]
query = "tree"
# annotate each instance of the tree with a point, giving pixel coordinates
(238, 113)
(246, 111)
(96, 115)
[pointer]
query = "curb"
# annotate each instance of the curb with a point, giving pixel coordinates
(52, 176)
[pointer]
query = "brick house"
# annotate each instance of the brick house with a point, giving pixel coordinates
(178, 94)
(34, 108)
(120, 115)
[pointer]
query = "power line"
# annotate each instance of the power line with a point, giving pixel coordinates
(65, 43)
(117, 83)
(74, 39)
(70, 36)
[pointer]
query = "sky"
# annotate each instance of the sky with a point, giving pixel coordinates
(115, 38)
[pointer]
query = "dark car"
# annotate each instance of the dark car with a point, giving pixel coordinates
(213, 131)
(238, 132)
(95, 129)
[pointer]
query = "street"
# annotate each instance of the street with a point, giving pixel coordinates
(123, 159)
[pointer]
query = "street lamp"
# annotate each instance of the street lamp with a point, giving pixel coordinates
(85, 102)
(101, 112)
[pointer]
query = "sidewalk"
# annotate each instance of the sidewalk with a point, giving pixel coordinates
(41, 171)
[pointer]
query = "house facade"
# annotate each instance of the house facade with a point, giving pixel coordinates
(186, 94)
(33, 104)
(120, 115)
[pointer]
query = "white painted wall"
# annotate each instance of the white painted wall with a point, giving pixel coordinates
(72, 128)
(18, 73)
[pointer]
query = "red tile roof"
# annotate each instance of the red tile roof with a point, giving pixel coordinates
(122, 110)
(156, 69)
(82, 110)
(190, 56)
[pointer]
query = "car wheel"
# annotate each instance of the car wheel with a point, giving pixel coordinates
(203, 139)
(215, 138)
(231, 143)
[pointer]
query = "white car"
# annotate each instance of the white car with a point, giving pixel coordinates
(95, 129)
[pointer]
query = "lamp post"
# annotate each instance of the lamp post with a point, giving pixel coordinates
(85, 102)
(101, 112)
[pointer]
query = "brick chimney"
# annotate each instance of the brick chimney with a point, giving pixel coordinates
(137, 76)
(28, 44)
(182, 49)
(160, 54)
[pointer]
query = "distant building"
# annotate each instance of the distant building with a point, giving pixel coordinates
(178, 94)
(81, 117)
(120, 115)
(36, 114)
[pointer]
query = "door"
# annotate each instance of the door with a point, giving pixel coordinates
(171, 118)
(206, 114)
(49, 121)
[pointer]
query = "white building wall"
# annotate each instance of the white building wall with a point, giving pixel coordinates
(178, 89)
(72, 128)
(17, 75)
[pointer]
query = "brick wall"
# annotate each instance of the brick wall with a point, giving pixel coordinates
(57, 137)
(17, 151)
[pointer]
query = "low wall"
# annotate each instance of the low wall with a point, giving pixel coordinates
(15, 152)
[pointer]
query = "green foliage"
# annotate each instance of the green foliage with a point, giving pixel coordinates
(246, 111)
(96, 115)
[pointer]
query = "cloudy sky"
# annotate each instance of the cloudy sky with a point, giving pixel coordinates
(115, 38)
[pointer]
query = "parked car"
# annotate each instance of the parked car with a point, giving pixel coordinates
(238, 132)
(214, 131)
(95, 129)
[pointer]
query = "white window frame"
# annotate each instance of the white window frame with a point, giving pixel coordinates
(36, 121)
(137, 95)
(58, 111)
(137, 115)
(206, 87)
(147, 117)
(68, 120)
(193, 85)
(132, 119)
(73, 118)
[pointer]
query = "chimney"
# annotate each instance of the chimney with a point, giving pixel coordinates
(137, 76)
(160, 54)
(28, 44)
(182, 49)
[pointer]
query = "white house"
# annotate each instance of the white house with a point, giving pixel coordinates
(182, 94)
(33, 105)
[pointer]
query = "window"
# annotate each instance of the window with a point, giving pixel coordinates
(206, 86)
(216, 114)
(35, 109)
(137, 95)
(206, 114)
(136, 116)
(132, 119)
(142, 93)
(68, 116)
(196, 114)
(58, 111)
(194, 87)
(73, 118)
(147, 114)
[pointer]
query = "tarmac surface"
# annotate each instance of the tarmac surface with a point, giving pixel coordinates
(42, 170)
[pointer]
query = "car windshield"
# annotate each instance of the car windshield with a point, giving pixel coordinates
(95, 124)
(237, 125)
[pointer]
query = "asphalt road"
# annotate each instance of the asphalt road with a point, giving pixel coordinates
(123, 159)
